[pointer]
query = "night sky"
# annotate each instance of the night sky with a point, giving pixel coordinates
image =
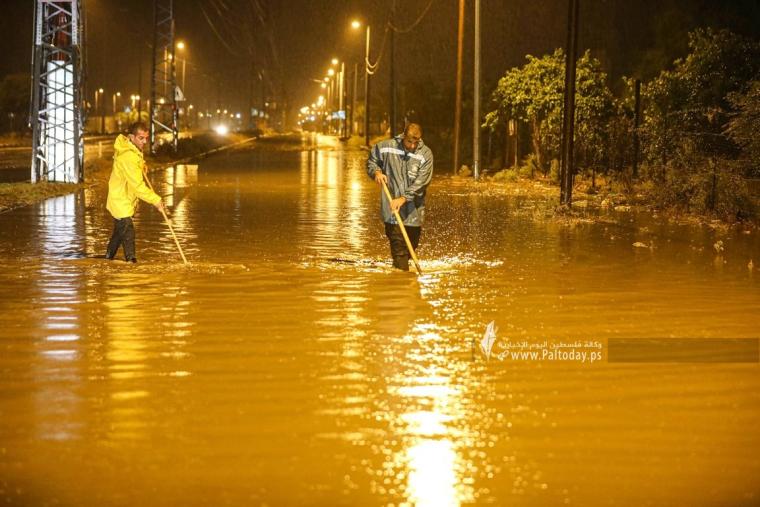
(301, 36)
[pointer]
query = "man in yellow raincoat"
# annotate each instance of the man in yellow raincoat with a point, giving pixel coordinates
(125, 187)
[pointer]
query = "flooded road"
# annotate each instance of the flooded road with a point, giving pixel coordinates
(290, 365)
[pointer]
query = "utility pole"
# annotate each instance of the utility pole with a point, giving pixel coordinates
(458, 99)
(139, 87)
(367, 74)
(636, 123)
(163, 94)
(392, 112)
(353, 100)
(250, 95)
(342, 99)
(57, 82)
(568, 114)
(476, 98)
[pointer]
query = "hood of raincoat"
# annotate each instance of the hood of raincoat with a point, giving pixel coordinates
(122, 145)
(126, 185)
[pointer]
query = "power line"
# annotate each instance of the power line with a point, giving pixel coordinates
(416, 22)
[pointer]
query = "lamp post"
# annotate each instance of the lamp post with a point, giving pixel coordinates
(98, 94)
(342, 107)
(181, 46)
(476, 97)
(356, 25)
(331, 92)
(113, 101)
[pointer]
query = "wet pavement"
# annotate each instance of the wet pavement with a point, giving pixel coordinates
(288, 364)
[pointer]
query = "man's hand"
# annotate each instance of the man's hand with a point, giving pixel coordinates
(397, 203)
(160, 206)
(380, 178)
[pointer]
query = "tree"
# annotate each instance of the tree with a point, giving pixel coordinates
(689, 144)
(687, 108)
(533, 94)
(742, 127)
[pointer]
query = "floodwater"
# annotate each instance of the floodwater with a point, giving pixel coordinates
(288, 364)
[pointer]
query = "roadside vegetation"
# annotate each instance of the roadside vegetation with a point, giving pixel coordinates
(699, 149)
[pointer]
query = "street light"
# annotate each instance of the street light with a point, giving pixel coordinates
(113, 99)
(181, 47)
(368, 72)
(98, 94)
(338, 84)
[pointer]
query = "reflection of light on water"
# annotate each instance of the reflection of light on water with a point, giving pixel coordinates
(129, 395)
(428, 461)
(62, 338)
(172, 179)
(126, 354)
(320, 206)
(432, 479)
(60, 354)
(355, 206)
(60, 286)
(432, 463)
(431, 390)
(426, 423)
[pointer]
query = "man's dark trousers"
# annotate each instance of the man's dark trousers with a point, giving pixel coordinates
(123, 234)
(399, 251)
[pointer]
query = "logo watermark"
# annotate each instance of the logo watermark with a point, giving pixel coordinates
(619, 350)
(584, 352)
(489, 338)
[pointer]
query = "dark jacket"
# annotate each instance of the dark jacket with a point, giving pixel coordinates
(409, 173)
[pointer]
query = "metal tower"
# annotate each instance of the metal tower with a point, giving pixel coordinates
(163, 84)
(56, 108)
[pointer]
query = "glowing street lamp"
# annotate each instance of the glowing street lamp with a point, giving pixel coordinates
(134, 99)
(98, 93)
(181, 47)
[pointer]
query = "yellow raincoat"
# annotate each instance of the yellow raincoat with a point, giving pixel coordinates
(126, 184)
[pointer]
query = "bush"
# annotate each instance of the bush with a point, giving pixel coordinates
(715, 187)
(506, 176)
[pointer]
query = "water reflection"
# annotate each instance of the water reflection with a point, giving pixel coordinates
(320, 202)
(58, 368)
